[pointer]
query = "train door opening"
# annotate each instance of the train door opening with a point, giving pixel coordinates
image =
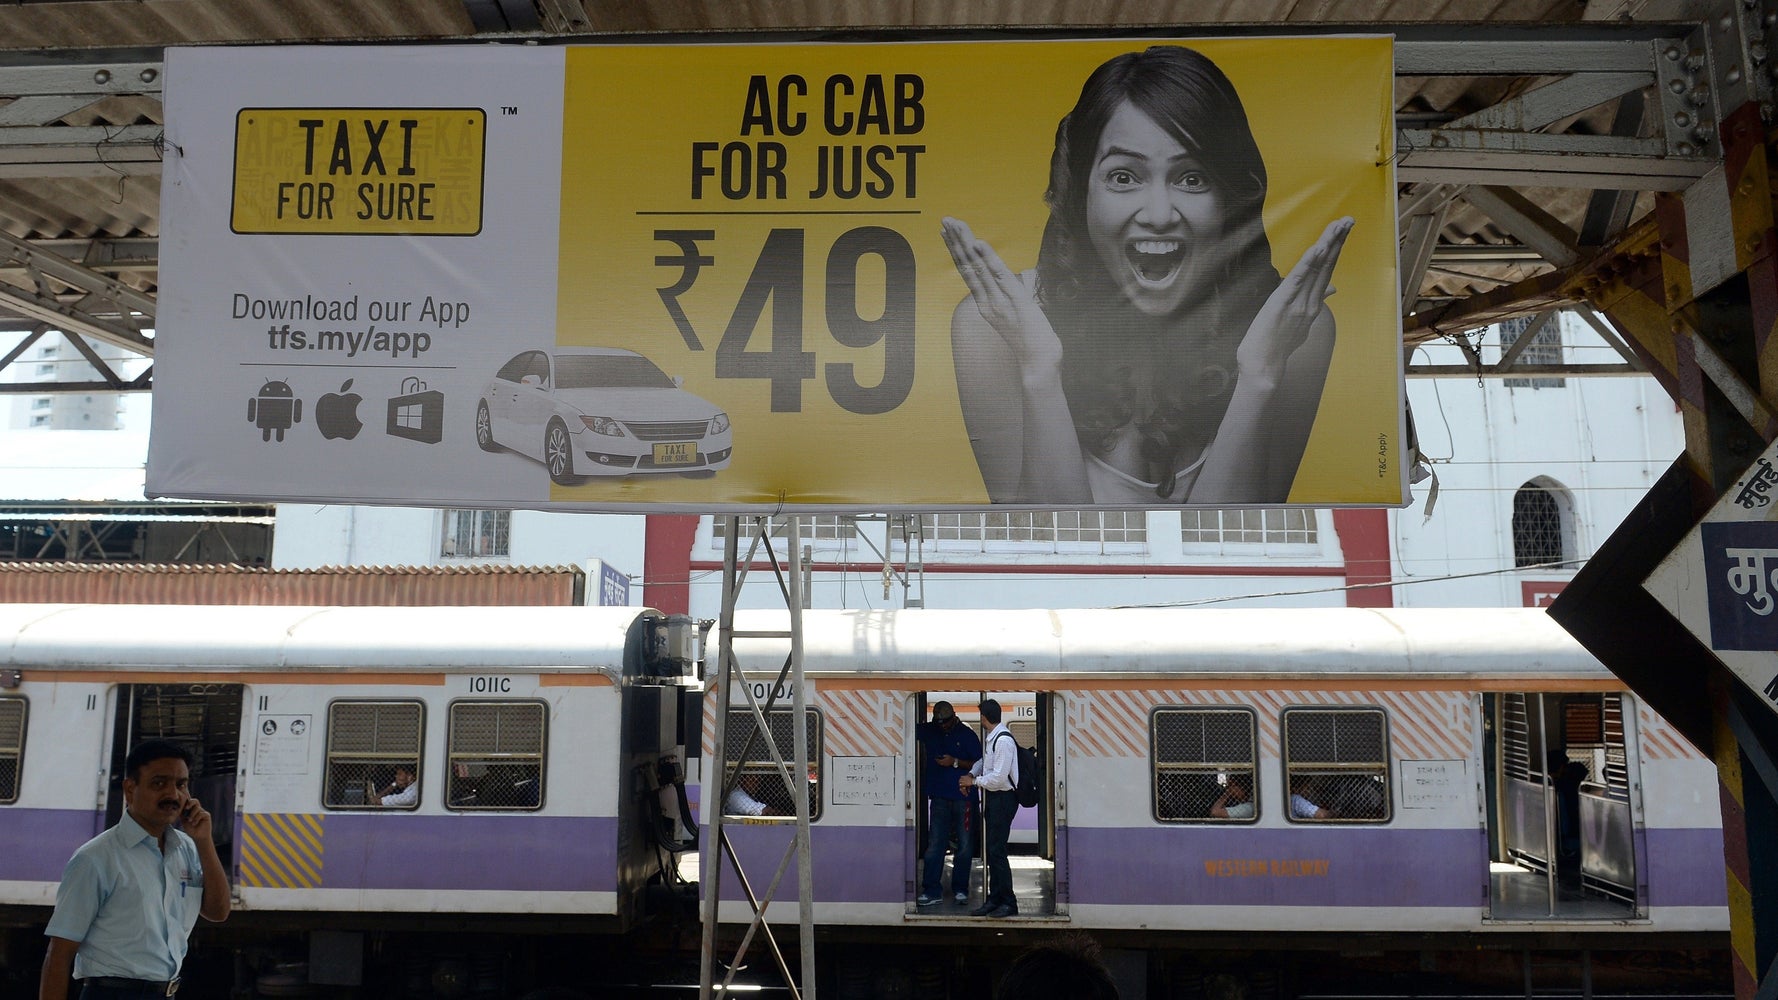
(204, 719)
(1031, 847)
(1561, 839)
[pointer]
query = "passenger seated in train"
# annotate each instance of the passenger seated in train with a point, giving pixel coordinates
(745, 799)
(1305, 799)
(1355, 796)
(1204, 795)
(401, 793)
(1236, 800)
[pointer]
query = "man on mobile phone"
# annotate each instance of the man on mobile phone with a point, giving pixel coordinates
(402, 793)
(130, 896)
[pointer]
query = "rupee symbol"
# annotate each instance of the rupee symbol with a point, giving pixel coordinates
(690, 261)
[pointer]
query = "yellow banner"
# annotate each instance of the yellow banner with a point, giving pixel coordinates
(1045, 274)
(358, 171)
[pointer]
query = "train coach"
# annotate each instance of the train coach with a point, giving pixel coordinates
(535, 736)
(546, 744)
(1466, 771)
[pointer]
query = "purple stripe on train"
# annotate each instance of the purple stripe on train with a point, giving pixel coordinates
(1685, 867)
(1229, 866)
(519, 853)
(1299, 866)
(853, 864)
(1312, 866)
(39, 841)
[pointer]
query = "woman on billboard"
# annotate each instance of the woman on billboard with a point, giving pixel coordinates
(1154, 356)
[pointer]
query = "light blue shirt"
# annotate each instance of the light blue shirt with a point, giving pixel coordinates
(130, 907)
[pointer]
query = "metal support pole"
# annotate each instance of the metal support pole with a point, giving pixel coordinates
(805, 857)
(1549, 806)
(733, 689)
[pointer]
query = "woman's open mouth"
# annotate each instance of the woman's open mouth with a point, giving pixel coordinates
(1155, 261)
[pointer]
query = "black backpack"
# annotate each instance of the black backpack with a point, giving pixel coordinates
(1026, 789)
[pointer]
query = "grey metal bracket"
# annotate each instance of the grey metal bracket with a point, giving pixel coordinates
(720, 779)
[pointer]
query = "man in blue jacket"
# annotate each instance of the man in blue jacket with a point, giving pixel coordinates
(947, 748)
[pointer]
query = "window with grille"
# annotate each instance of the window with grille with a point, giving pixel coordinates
(476, 534)
(1613, 774)
(1545, 349)
(12, 748)
(1204, 765)
(1538, 535)
(1336, 765)
(1054, 529)
(760, 784)
(495, 754)
(815, 527)
(366, 742)
(1276, 526)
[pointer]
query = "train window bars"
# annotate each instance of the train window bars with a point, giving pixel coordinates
(495, 751)
(1204, 765)
(12, 748)
(760, 790)
(1336, 765)
(367, 741)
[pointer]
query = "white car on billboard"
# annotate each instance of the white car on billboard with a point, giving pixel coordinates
(599, 411)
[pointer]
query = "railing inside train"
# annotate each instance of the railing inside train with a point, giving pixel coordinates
(1530, 809)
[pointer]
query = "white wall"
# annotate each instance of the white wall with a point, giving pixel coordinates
(1606, 440)
(308, 536)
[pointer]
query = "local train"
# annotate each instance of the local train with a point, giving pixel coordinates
(562, 754)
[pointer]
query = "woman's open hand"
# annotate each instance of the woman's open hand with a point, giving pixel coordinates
(1283, 324)
(1005, 300)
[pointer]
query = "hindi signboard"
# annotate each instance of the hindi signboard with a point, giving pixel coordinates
(818, 276)
(1719, 581)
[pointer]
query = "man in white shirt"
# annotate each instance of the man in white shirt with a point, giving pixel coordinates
(996, 774)
(742, 800)
(1235, 802)
(403, 792)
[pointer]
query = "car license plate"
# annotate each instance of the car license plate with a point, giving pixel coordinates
(676, 453)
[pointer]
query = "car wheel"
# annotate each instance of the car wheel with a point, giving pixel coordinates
(484, 428)
(558, 454)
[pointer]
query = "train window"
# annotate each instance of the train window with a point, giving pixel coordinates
(761, 790)
(495, 750)
(1336, 765)
(1204, 765)
(12, 748)
(368, 742)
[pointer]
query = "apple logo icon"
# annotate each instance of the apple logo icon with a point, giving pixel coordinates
(336, 413)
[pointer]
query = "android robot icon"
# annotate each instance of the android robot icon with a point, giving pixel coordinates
(274, 409)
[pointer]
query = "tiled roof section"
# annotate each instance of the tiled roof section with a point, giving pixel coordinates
(330, 586)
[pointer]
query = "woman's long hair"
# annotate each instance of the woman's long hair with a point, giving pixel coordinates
(1105, 342)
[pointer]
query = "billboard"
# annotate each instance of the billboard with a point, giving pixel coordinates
(736, 277)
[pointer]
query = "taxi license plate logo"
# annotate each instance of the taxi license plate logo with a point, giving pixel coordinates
(359, 171)
(676, 453)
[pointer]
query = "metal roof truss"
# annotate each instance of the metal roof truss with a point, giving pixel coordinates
(1664, 85)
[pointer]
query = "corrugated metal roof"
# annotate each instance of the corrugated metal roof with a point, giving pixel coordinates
(115, 206)
(345, 586)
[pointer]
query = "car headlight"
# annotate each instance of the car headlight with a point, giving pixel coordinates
(719, 423)
(603, 425)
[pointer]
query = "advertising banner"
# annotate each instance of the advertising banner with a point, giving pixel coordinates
(735, 277)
